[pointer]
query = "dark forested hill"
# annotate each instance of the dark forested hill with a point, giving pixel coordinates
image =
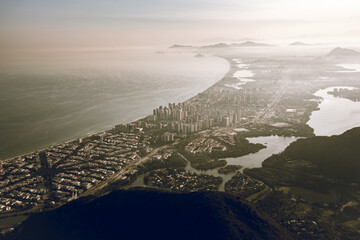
(316, 163)
(316, 182)
(150, 214)
(336, 156)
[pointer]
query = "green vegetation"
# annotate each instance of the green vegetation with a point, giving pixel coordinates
(320, 164)
(181, 181)
(317, 186)
(229, 169)
(304, 220)
(336, 156)
(243, 185)
(128, 179)
(205, 161)
(242, 147)
(308, 195)
(174, 161)
(296, 129)
(259, 195)
(277, 175)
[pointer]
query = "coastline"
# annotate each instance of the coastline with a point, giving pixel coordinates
(104, 129)
(218, 86)
(36, 152)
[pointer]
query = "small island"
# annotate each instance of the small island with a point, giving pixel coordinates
(229, 169)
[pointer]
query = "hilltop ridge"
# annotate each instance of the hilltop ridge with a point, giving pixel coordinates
(152, 214)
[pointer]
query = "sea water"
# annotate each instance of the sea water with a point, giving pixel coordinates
(50, 97)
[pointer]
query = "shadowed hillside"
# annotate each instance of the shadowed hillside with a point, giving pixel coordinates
(336, 156)
(317, 183)
(150, 214)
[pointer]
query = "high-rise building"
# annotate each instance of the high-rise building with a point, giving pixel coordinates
(168, 137)
(226, 121)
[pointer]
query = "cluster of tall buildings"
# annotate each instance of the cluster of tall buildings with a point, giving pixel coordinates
(188, 118)
(231, 118)
(245, 99)
(184, 127)
(168, 137)
(215, 107)
(136, 126)
(174, 111)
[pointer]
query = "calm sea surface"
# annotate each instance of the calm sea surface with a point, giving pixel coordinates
(51, 97)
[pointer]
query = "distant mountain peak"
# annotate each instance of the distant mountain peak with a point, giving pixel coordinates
(199, 55)
(249, 44)
(343, 52)
(298, 43)
(181, 46)
(218, 45)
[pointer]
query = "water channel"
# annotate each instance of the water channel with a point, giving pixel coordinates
(335, 116)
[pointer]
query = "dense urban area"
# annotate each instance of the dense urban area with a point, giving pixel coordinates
(182, 147)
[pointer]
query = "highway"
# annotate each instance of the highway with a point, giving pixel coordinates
(115, 177)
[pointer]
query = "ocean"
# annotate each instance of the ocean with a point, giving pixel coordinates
(48, 97)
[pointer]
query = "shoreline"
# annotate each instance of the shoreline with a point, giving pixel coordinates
(232, 67)
(325, 96)
(100, 131)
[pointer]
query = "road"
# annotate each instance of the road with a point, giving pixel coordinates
(269, 109)
(115, 177)
(263, 114)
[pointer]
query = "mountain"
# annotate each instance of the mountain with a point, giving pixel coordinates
(199, 55)
(250, 44)
(342, 52)
(299, 44)
(316, 175)
(315, 163)
(218, 45)
(181, 46)
(151, 214)
(336, 156)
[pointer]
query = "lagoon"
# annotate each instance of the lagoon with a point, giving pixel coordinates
(335, 115)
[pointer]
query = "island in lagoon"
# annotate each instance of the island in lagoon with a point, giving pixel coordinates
(186, 146)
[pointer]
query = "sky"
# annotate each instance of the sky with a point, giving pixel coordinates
(116, 23)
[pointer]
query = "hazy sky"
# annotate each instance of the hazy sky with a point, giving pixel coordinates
(111, 23)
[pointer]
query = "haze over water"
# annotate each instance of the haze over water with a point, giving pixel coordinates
(58, 96)
(336, 115)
